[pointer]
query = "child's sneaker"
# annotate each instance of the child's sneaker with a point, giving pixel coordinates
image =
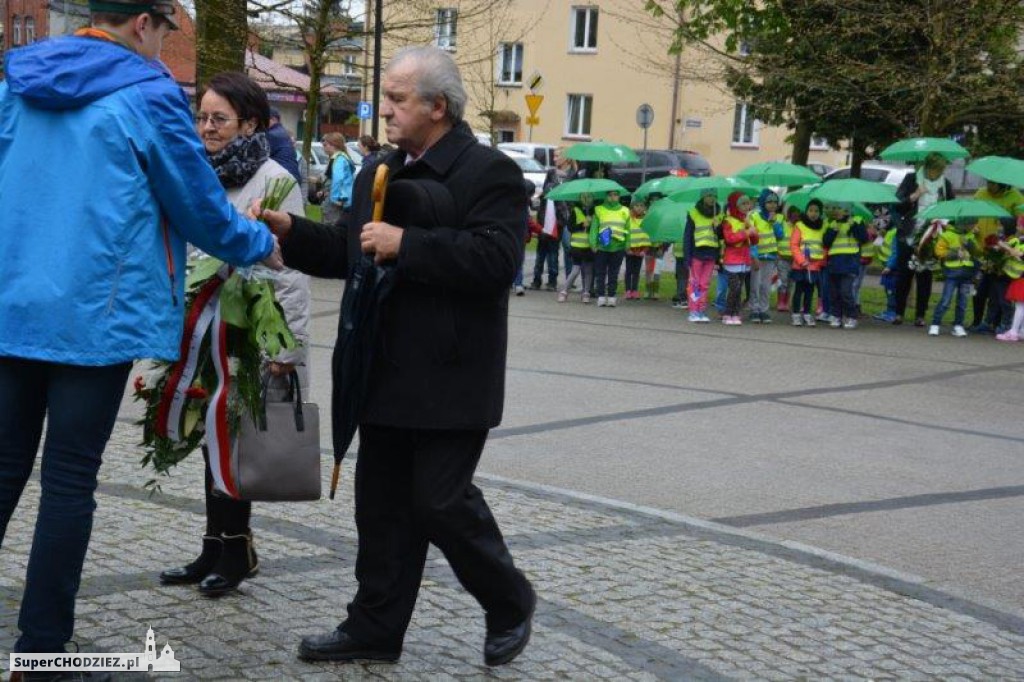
(1008, 336)
(933, 330)
(704, 319)
(562, 297)
(850, 323)
(834, 322)
(520, 291)
(611, 301)
(798, 320)
(601, 301)
(585, 297)
(824, 317)
(693, 317)
(809, 320)
(959, 331)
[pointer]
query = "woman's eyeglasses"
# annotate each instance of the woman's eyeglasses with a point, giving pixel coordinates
(216, 120)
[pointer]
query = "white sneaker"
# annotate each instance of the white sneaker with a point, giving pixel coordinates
(823, 317)
(520, 291)
(933, 330)
(850, 323)
(808, 320)
(601, 301)
(835, 323)
(959, 331)
(798, 320)
(694, 317)
(612, 301)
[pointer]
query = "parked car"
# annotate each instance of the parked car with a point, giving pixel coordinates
(532, 171)
(889, 173)
(543, 153)
(659, 163)
(820, 169)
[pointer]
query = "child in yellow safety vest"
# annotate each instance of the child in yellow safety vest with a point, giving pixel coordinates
(768, 223)
(843, 238)
(885, 257)
(581, 254)
(1013, 268)
(956, 248)
(785, 262)
(637, 244)
(700, 251)
(608, 236)
(808, 250)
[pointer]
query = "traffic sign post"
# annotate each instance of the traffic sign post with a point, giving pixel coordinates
(644, 119)
(533, 103)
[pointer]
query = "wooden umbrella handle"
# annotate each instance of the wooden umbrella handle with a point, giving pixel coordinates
(380, 188)
(334, 478)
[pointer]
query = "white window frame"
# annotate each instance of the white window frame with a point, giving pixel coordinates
(590, 28)
(819, 144)
(15, 31)
(742, 111)
(446, 28)
(506, 69)
(744, 48)
(30, 30)
(574, 129)
(348, 64)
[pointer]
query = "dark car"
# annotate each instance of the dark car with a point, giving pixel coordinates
(660, 162)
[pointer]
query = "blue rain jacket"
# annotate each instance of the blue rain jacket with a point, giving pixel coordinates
(102, 182)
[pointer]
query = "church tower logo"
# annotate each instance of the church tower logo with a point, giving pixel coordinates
(166, 662)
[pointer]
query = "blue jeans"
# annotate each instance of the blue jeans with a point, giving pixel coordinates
(959, 282)
(547, 253)
(721, 289)
(567, 251)
(81, 404)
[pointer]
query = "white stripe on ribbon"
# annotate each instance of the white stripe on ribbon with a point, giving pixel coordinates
(218, 439)
(210, 311)
(550, 220)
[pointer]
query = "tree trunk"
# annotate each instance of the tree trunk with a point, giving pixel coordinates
(857, 154)
(221, 37)
(801, 142)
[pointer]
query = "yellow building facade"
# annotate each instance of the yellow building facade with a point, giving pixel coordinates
(594, 65)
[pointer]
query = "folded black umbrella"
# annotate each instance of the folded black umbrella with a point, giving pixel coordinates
(425, 204)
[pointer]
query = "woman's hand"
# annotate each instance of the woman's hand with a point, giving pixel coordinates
(280, 369)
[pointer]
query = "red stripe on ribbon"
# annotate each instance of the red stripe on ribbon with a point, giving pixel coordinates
(220, 427)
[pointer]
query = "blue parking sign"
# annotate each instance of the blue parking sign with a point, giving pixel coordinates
(364, 110)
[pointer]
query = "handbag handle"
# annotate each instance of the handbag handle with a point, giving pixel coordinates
(296, 391)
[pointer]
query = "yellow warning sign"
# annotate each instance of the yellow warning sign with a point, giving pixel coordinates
(533, 120)
(533, 103)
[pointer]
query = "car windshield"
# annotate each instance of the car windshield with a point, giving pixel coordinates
(529, 165)
(692, 162)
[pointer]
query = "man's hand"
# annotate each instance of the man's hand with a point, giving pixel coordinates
(280, 369)
(275, 261)
(382, 240)
(280, 222)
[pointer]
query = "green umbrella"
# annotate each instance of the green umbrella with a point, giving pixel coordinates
(665, 185)
(723, 186)
(571, 191)
(850, 190)
(774, 173)
(601, 152)
(1001, 169)
(665, 221)
(955, 209)
(916, 148)
(799, 198)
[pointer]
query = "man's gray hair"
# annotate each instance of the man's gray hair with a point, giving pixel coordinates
(436, 75)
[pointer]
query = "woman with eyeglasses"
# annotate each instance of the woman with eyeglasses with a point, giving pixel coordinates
(232, 121)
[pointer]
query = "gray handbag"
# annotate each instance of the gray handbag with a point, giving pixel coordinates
(277, 457)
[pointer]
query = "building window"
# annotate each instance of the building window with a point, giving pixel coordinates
(584, 29)
(744, 127)
(510, 64)
(744, 50)
(30, 30)
(15, 30)
(348, 65)
(444, 30)
(577, 120)
(819, 143)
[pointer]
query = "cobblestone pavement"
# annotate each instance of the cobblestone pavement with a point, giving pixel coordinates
(624, 593)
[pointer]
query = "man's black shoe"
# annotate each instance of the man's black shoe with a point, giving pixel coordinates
(339, 646)
(503, 646)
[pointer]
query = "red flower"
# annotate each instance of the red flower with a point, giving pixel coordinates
(140, 384)
(196, 393)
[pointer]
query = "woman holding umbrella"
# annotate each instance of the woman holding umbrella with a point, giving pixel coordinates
(917, 192)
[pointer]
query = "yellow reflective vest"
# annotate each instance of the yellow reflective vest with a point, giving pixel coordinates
(638, 239)
(884, 252)
(785, 251)
(844, 244)
(767, 244)
(811, 242)
(949, 245)
(1014, 267)
(704, 229)
(614, 219)
(579, 239)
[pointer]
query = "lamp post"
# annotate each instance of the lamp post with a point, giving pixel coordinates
(378, 31)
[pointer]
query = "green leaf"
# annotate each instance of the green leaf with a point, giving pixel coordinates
(202, 269)
(268, 327)
(233, 303)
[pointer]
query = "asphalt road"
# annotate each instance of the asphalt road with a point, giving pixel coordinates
(878, 443)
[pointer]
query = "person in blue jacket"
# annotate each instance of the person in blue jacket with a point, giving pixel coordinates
(93, 268)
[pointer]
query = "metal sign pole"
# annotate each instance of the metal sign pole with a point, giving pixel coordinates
(643, 168)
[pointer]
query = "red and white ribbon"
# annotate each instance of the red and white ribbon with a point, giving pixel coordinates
(218, 437)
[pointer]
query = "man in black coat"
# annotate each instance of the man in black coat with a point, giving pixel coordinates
(437, 376)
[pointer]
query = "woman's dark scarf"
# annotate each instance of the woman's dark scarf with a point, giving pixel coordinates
(817, 223)
(240, 159)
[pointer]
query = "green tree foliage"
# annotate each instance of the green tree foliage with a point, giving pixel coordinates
(868, 72)
(221, 32)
